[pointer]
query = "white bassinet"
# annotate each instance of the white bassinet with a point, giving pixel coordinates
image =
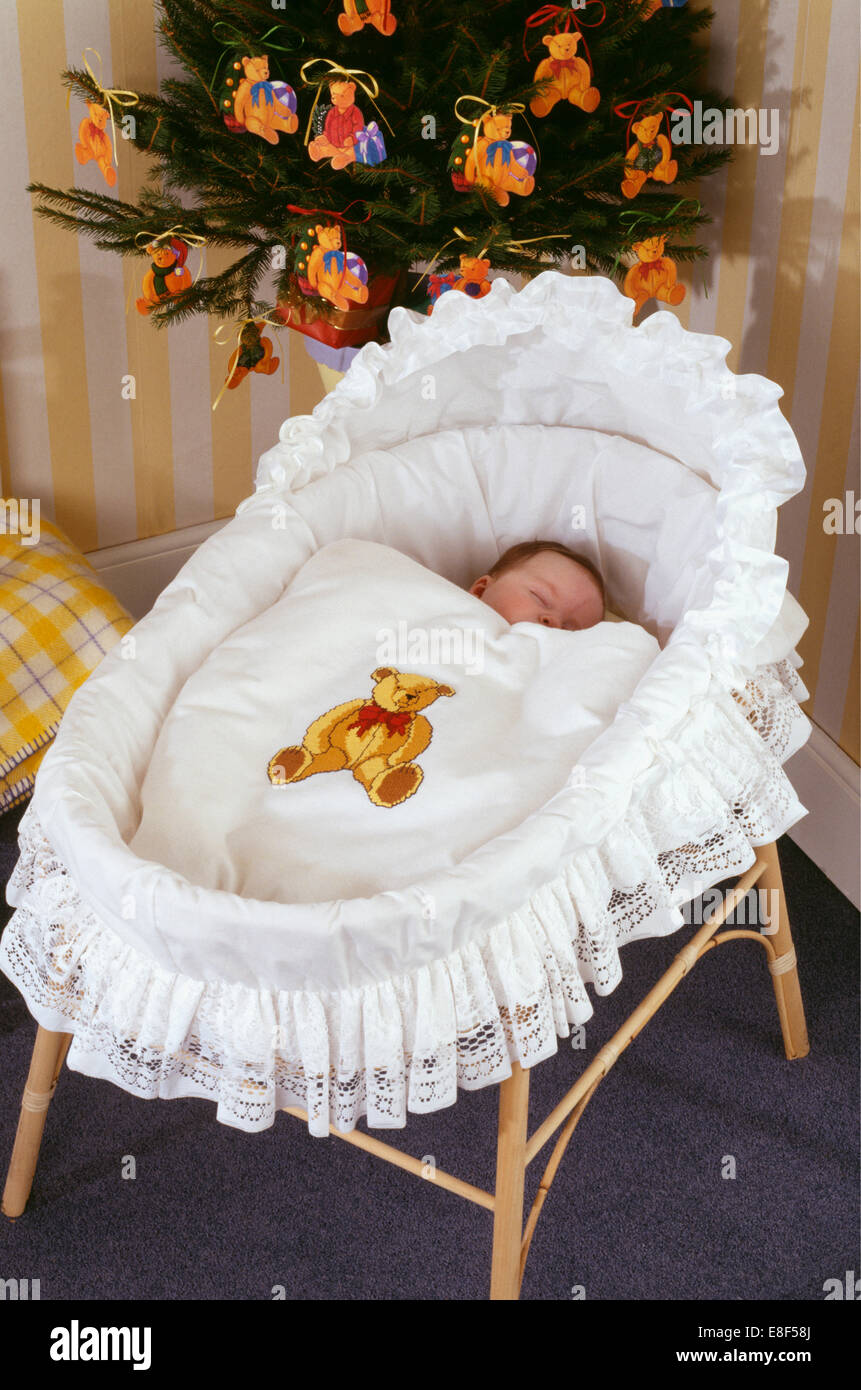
(488, 423)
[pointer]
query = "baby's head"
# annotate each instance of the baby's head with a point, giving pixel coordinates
(543, 582)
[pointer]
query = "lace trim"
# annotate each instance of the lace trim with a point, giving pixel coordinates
(409, 1044)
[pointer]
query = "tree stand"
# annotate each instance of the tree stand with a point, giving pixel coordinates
(514, 1150)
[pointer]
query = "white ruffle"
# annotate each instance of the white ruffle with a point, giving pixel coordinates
(666, 802)
(727, 428)
(408, 1043)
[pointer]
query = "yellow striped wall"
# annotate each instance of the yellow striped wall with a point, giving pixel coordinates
(781, 286)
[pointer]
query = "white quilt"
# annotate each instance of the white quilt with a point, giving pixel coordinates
(526, 702)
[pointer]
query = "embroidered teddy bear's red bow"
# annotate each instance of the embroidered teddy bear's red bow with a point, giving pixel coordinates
(395, 721)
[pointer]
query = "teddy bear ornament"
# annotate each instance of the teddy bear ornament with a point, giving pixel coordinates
(358, 13)
(649, 157)
(564, 76)
(94, 143)
(168, 274)
(253, 354)
(254, 102)
(325, 269)
(472, 280)
(653, 276)
(485, 157)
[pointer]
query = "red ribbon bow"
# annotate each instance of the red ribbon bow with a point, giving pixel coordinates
(339, 216)
(623, 110)
(561, 13)
(395, 721)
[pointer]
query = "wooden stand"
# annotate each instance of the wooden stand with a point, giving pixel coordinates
(49, 1053)
(515, 1151)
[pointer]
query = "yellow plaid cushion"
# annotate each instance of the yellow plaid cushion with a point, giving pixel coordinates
(56, 623)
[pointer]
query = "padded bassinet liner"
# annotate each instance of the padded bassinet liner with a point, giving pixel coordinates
(519, 706)
(384, 1005)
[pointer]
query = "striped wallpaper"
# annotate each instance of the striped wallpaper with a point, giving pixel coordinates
(782, 285)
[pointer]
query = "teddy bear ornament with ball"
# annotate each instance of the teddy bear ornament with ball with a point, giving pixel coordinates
(485, 157)
(253, 101)
(326, 269)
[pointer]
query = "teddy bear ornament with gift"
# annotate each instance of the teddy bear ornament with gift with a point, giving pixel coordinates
(345, 137)
(649, 157)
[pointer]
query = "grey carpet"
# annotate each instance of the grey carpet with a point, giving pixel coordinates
(639, 1210)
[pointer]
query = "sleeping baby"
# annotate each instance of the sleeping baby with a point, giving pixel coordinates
(378, 723)
(543, 582)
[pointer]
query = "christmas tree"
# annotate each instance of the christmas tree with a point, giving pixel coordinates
(338, 145)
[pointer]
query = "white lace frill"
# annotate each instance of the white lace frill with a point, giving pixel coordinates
(409, 1043)
(680, 788)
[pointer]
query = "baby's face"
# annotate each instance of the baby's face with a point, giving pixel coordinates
(547, 588)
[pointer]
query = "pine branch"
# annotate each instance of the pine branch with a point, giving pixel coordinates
(235, 189)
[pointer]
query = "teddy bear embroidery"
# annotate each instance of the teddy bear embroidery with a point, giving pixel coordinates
(377, 739)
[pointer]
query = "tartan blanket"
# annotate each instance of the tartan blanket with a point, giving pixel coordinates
(57, 621)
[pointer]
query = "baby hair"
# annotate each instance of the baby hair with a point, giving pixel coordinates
(516, 554)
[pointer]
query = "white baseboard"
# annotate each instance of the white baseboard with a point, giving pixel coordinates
(825, 779)
(138, 571)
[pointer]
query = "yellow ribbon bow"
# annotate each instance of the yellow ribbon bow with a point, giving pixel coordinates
(518, 245)
(508, 108)
(334, 72)
(457, 234)
(109, 95)
(513, 245)
(178, 231)
(225, 327)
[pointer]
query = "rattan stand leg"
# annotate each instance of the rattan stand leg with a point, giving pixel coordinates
(49, 1053)
(784, 970)
(510, 1176)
